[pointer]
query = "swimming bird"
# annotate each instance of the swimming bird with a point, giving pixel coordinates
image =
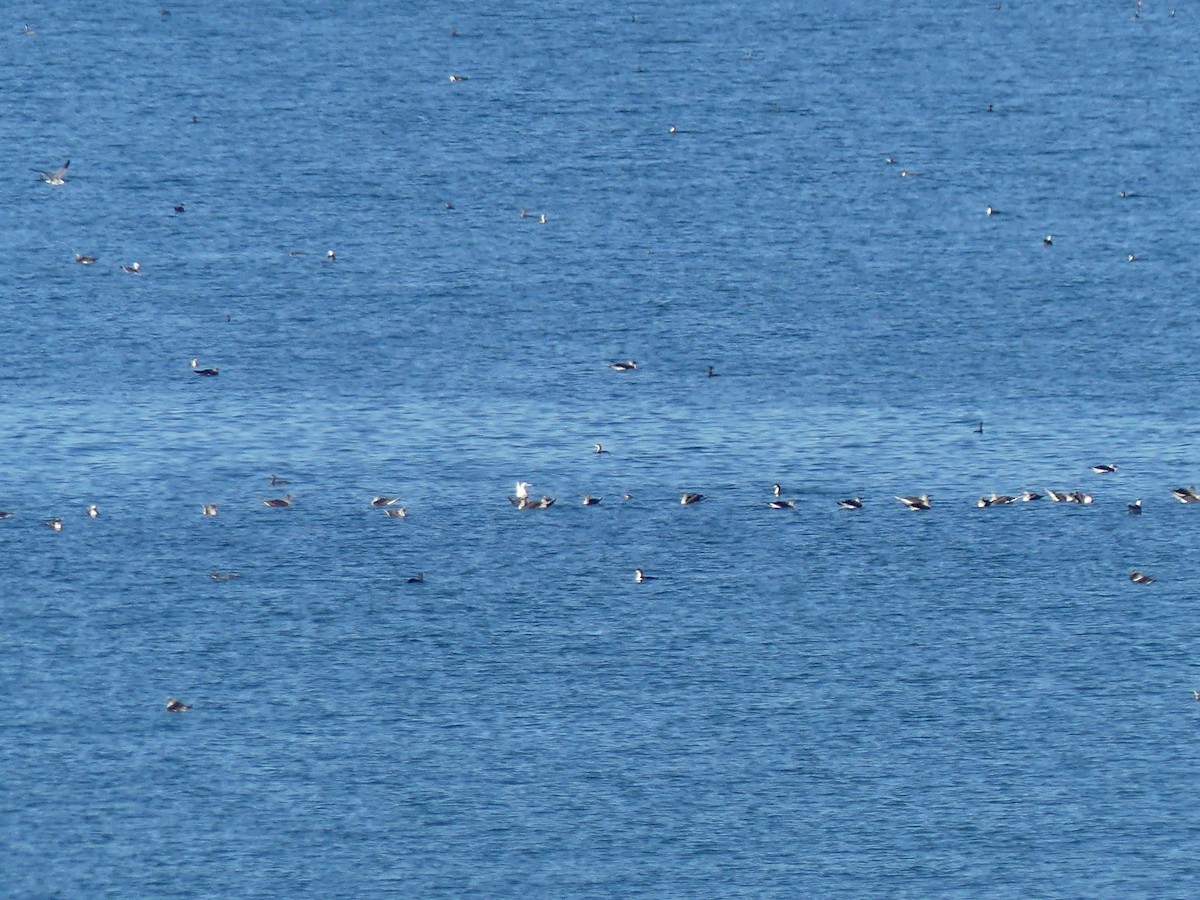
(27, 30)
(627, 496)
(600, 449)
(278, 482)
(627, 366)
(208, 373)
(522, 490)
(85, 260)
(1185, 494)
(983, 502)
(1028, 496)
(992, 211)
(286, 500)
(639, 576)
(222, 576)
(979, 428)
(398, 513)
(1140, 577)
(1195, 694)
(179, 208)
(177, 706)
(1048, 240)
(55, 524)
(457, 78)
(1058, 496)
(132, 269)
(208, 509)
(908, 173)
(93, 511)
(850, 503)
(1081, 497)
(1001, 499)
(921, 502)
(689, 499)
(384, 501)
(58, 176)
(419, 578)
(542, 219)
(5, 515)
(589, 500)
(544, 503)
(1135, 508)
(711, 373)
(330, 256)
(776, 489)
(1129, 257)
(782, 504)
(1104, 468)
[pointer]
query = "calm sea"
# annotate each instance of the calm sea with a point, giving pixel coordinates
(809, 702)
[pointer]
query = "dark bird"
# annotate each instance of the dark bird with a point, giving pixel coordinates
(85, 260)
(589, 500)
(286, 500)
(179, 209)
(177, 706)
(1135, 508)
(627, 366)
(207, 373)
(278, 482)
(1140, 577)
(921, 502)
(689, 499)
(851, 503)
(1104, 468)
(419, 578)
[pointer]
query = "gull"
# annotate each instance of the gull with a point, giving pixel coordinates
(208, 509)
(627, 366)
(921, 502)
(286, 500)
(208, 373)
(177, 706)
(689, 499)
(851, 503)
(58, 176)
(134, 269)
(1140, 577)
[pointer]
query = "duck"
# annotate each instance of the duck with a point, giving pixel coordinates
(1135, 508)
(689, 499)
(59, 175)
(627, 366)
(177, 706)
(1104, 468)
(93, 511)
(55, 524)
(916, 502)
(277, 502)
(589, 500)
(639, 576)
(134, 268)
(84, 260)
(208, 509)
(384, 501)
(207, 373)
(850, 503)
(1140, 577)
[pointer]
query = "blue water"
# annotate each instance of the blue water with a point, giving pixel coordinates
(813, 702)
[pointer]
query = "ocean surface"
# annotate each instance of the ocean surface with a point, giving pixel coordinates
(808, 702)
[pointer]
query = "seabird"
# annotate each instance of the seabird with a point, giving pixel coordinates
(544, 503)
(398, 513)
(1185, 494)
(1081, 497)
(1001, 499)
(93, 511)
(208, 373)
(711, 373)
(639, 576)
(177, 706)
(600, 449)
(522, 490)
(782, 504)
(908, 173)
(627, 366)
(983, 503)
(5, 515)
(542, 219)
(992, 211)
(1104, 468)
(1048, 240)
(29, 31)
(627, 496)
(286, 500)
(384, 501)
(179, 208)
(55, 524)
(457, 78)
(330, 255)
(979, 428)
(851, 503)
(84, 260)
(1130, 257)
(208, 509)
(671, 129)
(222, 576)
(278, 482)
(1135, 508)
(419, 578)
(1140, 577)
(1027, 496)
(921, 502)
(776, 489)
(689, 499)
(133, 269)
(589, 500)
(58, 176)
(1058, 496)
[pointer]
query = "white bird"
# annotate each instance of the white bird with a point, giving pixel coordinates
(58, 176)
(522, 490)
(93, 511)
(208, 509)
(134, 269)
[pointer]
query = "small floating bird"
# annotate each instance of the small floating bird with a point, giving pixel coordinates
(639, 576)
(908, 173)
(544, 503)
(921, 502)
(589, 500)
(522, 490)
(93, 511)
(782, 504)
(208, 509)
(278, 482)
(222, 576)
(992, 211)
(850, 503)
(689, 499)
(177, 706)
(179, 208)
(58, 176)
(5, 515)
(1058, 496)
(384, 501)
(1195, 694)
(398, 513)
(286, 500)
(1130, 257)
(776, 489)
(627, 496)
(207, 373)
(85, 260)
(1029, 496)
(1185, 494)
(600, 450)
(627, 366)
(712, 374)
(1081, 497)
(542, 219)
(1048, 240)
(1135, 508)
(457, 78)
(330, 256)
(1104, 468)
(1140, 577)
(132, 269)
(55, 524)
(419, 578)
(979, 428)
(27, 30)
